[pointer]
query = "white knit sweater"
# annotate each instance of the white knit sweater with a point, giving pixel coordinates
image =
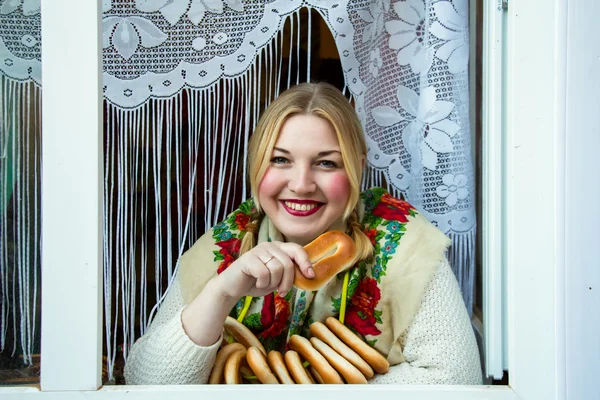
(439, 346)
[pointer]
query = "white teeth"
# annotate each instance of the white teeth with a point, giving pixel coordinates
(300, 207)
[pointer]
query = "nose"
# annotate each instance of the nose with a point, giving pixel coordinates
(302, 180)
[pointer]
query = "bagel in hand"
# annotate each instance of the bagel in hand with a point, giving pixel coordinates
(330, 253)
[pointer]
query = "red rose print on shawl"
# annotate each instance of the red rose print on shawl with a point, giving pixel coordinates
(274, 315)
(230, 246)
(360, 313)
(241, 220)
(392, 209)
(226, 263)
(372, 235)
(230, 249)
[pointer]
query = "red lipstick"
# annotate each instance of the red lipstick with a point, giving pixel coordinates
(302, 213)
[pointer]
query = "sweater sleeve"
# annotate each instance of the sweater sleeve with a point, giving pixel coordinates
(165, 354)
(439, 346)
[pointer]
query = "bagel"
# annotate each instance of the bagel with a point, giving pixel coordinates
(297, 370)
(350, 373)
(277, 364)
(216, 375)
(315, 375)
(303, 347)
(330, 253)
(242, 334)
(257, 362)
(319, 330)
(232, 367)
(310, 376)
(378, 362)
(247, 374)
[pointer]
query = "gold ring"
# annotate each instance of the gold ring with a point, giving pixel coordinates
(270, 258)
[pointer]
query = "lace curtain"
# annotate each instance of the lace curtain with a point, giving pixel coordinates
(20, 170)
(184, 84)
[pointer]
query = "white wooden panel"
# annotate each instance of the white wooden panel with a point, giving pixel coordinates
(582, 195)
(535, 190)
(492, 197)
(261, 392)
(71, 195)
(505, 238)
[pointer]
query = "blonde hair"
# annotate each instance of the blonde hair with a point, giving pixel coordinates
(325, 101)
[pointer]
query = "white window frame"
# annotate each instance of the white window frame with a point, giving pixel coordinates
(493, 188)
(531, 193)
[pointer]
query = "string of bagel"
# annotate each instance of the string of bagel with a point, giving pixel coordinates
(333, 355)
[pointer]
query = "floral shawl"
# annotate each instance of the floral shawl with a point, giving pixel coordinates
(384, 293)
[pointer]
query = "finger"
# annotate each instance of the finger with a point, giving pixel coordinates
(287, 280)
(276, 268)
(268, 255)
(300, 257)
(257, 269)
(286, 272)
(274, 249)
(263, 254)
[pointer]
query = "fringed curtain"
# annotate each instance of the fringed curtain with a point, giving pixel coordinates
(185, 82)
(20, 184)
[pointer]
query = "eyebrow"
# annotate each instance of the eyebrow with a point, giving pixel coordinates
(320, 154)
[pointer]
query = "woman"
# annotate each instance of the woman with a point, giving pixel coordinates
(305, 165)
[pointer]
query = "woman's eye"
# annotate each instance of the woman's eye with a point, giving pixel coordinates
(279, 160)
(327, 164)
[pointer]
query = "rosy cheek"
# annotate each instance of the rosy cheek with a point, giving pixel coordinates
(339, 188)
(268, 184)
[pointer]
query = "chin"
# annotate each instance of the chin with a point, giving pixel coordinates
(302, 238)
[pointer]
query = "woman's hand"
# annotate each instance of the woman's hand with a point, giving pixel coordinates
(267, 267)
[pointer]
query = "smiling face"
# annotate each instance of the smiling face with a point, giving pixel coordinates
(305, 188)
